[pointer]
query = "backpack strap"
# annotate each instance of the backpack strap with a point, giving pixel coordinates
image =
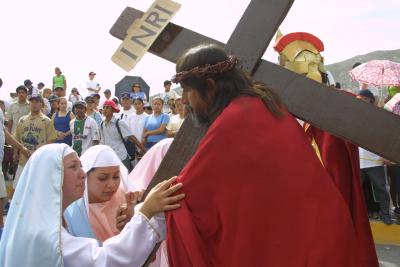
(119, 131)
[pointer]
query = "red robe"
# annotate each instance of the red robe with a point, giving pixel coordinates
(257, 195)
(342, 162)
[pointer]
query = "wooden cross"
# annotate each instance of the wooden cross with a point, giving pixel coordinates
(333, 111)
(336, 112)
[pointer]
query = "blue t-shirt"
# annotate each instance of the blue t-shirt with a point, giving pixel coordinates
(140, 94)
(152, 123)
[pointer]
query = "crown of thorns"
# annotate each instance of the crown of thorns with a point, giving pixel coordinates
(208, 70)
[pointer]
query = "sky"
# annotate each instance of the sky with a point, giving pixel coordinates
(39, 35)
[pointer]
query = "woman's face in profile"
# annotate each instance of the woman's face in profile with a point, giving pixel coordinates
(74, 178)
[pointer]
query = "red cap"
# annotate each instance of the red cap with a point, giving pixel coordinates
(110, 103)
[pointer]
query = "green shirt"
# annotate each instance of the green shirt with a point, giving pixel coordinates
(392, 90)
(58, 81)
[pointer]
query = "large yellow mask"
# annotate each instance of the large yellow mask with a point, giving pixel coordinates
(300, 52)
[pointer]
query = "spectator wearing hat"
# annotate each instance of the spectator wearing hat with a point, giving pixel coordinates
(92, 86)
(114, 132)
(91, 110)
(29, 85)
(74, 96)
(59, 79)
(127, 109)
(138, 93)
(54, 105)
(155, 124)
(167, 95)
(84, 130)
(18, 109)
(59, 91)
(33, 131)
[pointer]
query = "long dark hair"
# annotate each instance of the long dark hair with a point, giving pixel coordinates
(229, 84)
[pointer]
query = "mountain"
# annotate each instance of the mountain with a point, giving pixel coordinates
(340, 70)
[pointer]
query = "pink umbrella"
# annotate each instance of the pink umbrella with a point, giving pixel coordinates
(378, 73)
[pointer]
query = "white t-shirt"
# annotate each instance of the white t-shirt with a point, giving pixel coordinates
(136, 124)
(123, 114)
(369, 159)
(109, 136)
(93, 85)
(90, 133)
(175, 122)
(167, 96)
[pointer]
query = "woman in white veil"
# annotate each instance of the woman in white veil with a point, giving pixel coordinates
(35, 234)
(95, 214)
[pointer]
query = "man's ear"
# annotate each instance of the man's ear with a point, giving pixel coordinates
(211, 88)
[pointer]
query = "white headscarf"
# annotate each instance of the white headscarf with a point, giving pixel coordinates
(102, 156)
(32, 233)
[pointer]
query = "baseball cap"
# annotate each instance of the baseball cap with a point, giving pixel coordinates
(53, 98)
(107, 91)
(35, 96)
(92, 73)
(110, 103)
(95, 96)
(28, 82)
(58, 87)
(89, 99)
(79, 103)
(125, 94)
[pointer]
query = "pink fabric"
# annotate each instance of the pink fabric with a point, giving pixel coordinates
(139, 179)
(392, 102)
(102, 216)
(143, 173)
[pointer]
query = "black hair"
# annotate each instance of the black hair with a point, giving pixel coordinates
(355, 65)
(21, 87)
(229, 84)
(324, 77)
(138, 99)
(158, 98)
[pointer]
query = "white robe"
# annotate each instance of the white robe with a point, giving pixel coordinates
(129, 248)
